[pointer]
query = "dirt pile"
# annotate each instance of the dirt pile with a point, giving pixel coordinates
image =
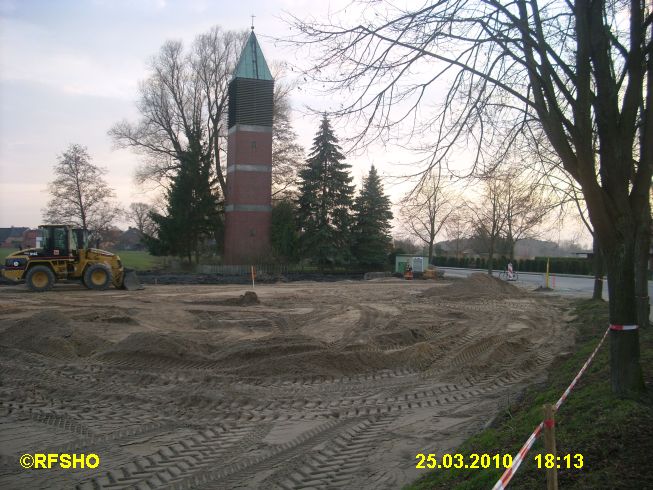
(156, 345)
(475, 286)
(248, 299)
(317, 362)
(270, 353)
(51, 334)
(401, 338)
(107, 317)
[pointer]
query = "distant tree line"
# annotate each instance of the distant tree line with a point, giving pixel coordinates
(510, 208)
(557, 265)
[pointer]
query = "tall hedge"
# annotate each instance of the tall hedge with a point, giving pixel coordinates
(557, 265)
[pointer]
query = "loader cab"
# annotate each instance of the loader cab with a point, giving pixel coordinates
(80, 238)
(56, 241)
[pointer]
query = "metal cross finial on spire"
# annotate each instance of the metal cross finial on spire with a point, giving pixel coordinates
(252, 16)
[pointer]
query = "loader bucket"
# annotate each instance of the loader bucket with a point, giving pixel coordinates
(130, 281)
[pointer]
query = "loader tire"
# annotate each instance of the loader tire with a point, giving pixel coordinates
(97, 276)
(40, 278)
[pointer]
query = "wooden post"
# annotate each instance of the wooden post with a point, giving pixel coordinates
(547, 273)
(550, 446)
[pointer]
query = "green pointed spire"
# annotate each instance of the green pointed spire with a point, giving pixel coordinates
(252, 62)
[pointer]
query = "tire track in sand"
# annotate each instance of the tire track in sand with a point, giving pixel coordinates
(183, 421)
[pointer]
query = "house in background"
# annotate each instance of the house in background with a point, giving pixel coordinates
(12, 237)
(29, 239)
(132, 239)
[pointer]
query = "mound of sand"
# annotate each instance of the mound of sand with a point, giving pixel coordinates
(248, 299)
(52, 334)
(150, 344)
(317, 363)
(404, 337)
(106, 317)
(475, 286)
(269, 349)
(292, 356)
(296, 355)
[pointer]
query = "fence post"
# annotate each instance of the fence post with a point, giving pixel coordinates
(550, 447)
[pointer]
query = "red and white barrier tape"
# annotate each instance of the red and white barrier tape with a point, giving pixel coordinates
(623, 327)
(519, 458)
(582, 370)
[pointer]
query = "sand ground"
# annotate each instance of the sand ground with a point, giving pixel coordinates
(320, 385)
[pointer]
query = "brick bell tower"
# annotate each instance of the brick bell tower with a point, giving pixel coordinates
(248, 204)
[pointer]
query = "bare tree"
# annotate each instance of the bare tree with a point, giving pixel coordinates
(575, 197)
(574, 70)
(103, 222)
(140, 215)
(426, 210)
(80, 195)
(458, 226)
(599, 263)
(642, 257)
(489, 215)
(525, 205)
(213, 60)
(570, 197)
(184, 98)
(406, 244)
(287, 154)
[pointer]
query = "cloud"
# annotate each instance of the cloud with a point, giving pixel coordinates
(33, 54)
(122, 4)
(8, 6)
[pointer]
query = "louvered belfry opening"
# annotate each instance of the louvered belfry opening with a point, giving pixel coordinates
(250, 102)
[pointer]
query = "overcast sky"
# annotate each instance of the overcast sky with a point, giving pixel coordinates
(69, 70)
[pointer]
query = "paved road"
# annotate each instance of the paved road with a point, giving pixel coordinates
(581, 286)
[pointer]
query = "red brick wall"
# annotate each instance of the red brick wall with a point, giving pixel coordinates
(247, 237)
(249, 188)
(247, 233)
(249, 147)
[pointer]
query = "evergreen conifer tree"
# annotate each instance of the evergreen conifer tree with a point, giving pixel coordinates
(192, 208)
(372, 240)
(325, 201)
(283, 231)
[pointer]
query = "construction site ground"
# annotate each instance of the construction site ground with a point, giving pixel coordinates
(305, 385)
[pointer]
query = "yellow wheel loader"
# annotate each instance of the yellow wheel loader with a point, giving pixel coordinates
(62, 253)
